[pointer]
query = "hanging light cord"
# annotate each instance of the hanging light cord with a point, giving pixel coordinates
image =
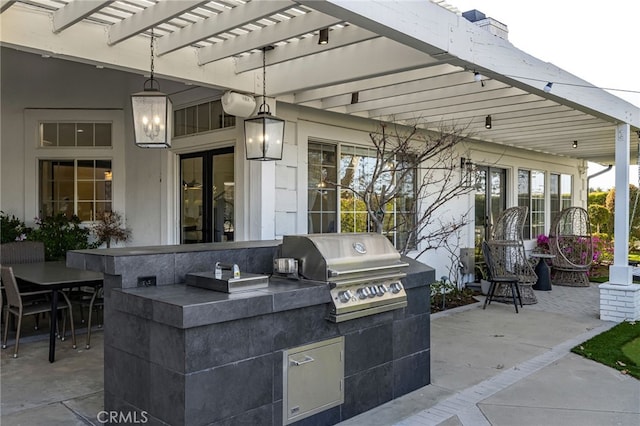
(264, 107)
(152, 80)
(152, 52)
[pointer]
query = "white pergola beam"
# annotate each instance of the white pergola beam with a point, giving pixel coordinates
(223, 22)
(430, 28)
(266, 36)
(6, 4)
(442, 87)
(429, 100)
(149, 17)
(350, 63)
(367, 96)
(74, 12)
(305, 47)
(30, 31)
(323, 93)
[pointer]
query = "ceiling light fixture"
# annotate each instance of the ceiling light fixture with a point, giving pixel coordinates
(152, 113)
(487, 122)
(547, 87)
(264, 133)
(323, 36)
(574, 144)
(478, 77)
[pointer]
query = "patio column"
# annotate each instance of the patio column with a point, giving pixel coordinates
(620, 298)
(262, 193)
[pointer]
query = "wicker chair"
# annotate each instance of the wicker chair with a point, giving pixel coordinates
(507, 235)
(571, 243)
(22, 252)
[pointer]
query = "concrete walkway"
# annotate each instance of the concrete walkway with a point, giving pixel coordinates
(496, 367)
(491, 367)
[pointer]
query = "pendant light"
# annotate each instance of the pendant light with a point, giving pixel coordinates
(264, 133)
(152, 113)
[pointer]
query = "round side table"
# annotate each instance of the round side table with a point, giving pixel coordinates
(542, 271)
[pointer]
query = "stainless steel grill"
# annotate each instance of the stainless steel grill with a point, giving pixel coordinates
(363, 271)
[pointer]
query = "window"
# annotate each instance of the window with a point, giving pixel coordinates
(560, 192)
(75, 187)
(351, 173)
(201, 118)
(61, 134)
(531, 190)
(321, 190)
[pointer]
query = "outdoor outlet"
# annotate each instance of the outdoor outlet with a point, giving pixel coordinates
(147, 281)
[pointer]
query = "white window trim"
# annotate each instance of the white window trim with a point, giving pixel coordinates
(33, 152)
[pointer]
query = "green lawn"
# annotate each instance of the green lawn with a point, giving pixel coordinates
(618, 348)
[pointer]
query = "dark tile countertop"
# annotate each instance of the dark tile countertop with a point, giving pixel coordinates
(185, 306)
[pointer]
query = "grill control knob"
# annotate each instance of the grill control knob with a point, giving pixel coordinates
(372, 291)
(396, 287)
(383, 289)
(363, 293)
(345, 296)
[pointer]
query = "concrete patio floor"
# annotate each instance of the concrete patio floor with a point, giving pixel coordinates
(488, 367)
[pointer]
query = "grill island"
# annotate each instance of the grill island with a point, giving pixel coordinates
(187, 355)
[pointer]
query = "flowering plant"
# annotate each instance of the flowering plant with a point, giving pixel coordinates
(12, 228)
(542, 244)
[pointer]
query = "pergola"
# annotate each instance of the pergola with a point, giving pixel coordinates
(409, 60)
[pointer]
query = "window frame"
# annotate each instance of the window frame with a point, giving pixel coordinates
(34, 152)
(533, 226)
(339, 149)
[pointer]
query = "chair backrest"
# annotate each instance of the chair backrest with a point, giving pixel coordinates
(500, 260)
(22, 252)
(507, 245)
(10, 286)
(570, 238)
(510, 223)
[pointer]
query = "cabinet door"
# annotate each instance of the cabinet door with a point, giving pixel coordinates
(313, 379)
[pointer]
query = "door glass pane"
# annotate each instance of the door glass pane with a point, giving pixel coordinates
(223, 197)
(192, 208)
(490, 201)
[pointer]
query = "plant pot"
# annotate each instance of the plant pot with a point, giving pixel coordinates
(484, 286)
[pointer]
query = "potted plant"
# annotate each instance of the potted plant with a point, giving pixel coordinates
(110, 227)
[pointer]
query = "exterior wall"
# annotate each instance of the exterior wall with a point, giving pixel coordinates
(151, 195)
(32, 82)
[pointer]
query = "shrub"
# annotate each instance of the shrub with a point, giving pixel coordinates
(60, 234)
(12, 228)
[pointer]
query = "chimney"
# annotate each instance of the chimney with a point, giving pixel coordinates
(495, 27)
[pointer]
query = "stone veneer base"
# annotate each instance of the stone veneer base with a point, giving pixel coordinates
(190, 356)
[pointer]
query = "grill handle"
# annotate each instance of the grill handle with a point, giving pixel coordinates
(369, 278)
(334, 273)
(307, 359)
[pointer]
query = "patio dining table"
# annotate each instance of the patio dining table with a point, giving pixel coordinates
(55, 276)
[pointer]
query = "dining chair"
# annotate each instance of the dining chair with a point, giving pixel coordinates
(93, 299)
(499, 273)
(16, 307)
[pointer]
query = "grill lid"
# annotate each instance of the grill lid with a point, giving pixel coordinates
(343, 257)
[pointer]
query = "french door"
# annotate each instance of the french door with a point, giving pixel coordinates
(490, 201)
(207, 187)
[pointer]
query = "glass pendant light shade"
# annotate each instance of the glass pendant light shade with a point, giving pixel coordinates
(263, 135)
(152, 115)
